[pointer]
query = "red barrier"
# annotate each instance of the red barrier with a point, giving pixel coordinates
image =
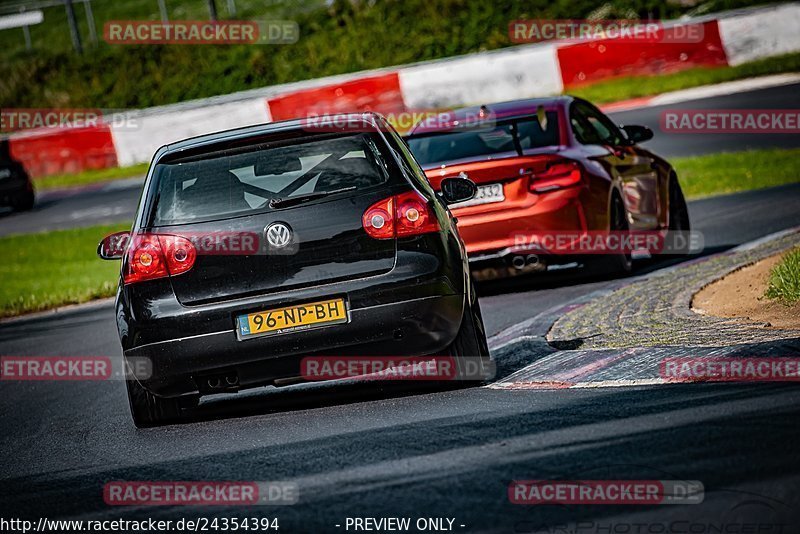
(65, 150)
(378, 93)
(593, 61)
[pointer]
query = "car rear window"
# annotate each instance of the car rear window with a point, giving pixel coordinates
(222, 186)
(475, 142)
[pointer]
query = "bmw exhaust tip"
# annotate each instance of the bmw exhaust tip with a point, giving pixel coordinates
(520, 262)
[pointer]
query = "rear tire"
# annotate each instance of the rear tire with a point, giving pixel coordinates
(150, 410)
(23, 201)
(470, 346)
(678, 216)
(615, 264)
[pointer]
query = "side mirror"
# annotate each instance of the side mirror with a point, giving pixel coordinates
(458, 189)
(638, 134)
(113, 246)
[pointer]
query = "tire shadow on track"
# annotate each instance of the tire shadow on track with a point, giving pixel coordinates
(296, 398)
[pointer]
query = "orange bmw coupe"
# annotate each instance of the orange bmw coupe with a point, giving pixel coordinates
(550, 172)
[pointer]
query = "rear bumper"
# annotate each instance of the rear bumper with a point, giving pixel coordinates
(489, 231)
(407, 328)
(497, 239)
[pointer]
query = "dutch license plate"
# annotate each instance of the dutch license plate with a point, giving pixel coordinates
(486, 194)
(292, 318)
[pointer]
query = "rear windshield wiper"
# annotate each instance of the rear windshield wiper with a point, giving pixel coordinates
(276, 203)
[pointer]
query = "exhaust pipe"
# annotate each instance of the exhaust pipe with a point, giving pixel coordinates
(512, 265)
(520, 262)
(224, 382)
(214, 383)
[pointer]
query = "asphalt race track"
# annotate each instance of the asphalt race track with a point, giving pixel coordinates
(55, 210)
(117, 201)
(395, 451)
(678, 145)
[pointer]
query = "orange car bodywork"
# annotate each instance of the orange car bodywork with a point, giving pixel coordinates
(489, 230)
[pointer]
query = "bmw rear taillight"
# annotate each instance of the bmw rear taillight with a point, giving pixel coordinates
(557, 175)
(404, 215)
(152, 256)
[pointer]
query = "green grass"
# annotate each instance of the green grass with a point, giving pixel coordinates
(89, 177)
(717, 174)
(41, 271)
(784, 279)
(640, 86)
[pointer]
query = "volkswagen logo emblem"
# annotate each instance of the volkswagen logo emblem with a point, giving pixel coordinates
(278, 235)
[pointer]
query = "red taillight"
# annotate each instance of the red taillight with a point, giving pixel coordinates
(558, 175)
(413, 216)
(402, 215)
(180, 253)
(151, 256)
(378, 220)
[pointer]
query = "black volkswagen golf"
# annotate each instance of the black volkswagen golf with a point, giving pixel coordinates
(257, 247)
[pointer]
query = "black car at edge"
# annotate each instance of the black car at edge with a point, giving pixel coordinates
(338, 221)
(16, 188)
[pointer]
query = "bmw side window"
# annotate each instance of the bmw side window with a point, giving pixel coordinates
(584, 133)
(535, 134)
(601, 126)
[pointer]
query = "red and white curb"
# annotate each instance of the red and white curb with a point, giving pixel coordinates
(640, 367)
(522, 385)
(550, 368)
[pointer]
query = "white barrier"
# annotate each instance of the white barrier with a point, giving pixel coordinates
(508, 74)
(761, 34)
(138, 139)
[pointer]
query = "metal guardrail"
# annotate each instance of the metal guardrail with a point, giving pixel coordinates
(25, 5)
(15, 8)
